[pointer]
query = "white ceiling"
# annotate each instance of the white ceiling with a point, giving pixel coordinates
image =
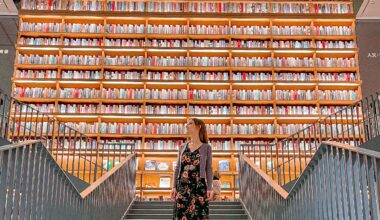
(370, 9)
(7, 7)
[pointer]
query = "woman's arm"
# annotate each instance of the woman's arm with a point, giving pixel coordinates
(209, 173)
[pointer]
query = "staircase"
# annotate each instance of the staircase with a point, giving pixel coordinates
(164, 210)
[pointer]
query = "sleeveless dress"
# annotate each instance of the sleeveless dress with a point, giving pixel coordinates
(191, 189)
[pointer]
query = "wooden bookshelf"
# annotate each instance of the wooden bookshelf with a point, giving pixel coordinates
(63, 47)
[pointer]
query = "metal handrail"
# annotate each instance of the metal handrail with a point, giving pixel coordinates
(77, 154)
(354, 124)
(33, 186)
(340, 182)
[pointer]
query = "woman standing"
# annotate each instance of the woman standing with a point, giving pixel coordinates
(192, 182)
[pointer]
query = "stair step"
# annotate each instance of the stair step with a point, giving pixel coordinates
(170, 202)
(144, 210)
(170, 206)
(167, 216)
(170, 211)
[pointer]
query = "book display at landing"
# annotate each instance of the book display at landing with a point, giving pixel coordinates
(122, 71)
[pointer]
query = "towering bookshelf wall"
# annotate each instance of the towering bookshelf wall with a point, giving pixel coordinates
(254, 71)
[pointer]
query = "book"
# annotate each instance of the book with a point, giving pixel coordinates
(224, 165)
(226, 185)
(162, 166)
(164, 182)
(150, 165)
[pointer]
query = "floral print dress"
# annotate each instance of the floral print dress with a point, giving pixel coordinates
(191, 189)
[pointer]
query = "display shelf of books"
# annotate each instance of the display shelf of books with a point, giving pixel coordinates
(189, 7)
(255, 71)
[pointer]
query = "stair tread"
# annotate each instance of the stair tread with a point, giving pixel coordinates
(163, 210)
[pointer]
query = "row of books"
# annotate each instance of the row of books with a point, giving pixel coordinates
(334, 44)
(218, 129)
(86, 5)
(292, 44)
(120, 128)
(297, 110)
(36, 74)
(338, 95)
(201, 94)
(34, 92)
(194, 94)
(249, 43)
(317, 8)
(30, 128)
(130, 6)
(206, 43)
(78, 108)
(252, 61)
(208, 61)
(336, 62)
(294, 62)
(209, 110)
(167, 29)
(321, 8)
(193, 109)
(39, 41)
(296, 95)
(165, 109)
(81, 59)
(166, 94)
(291, 30)
(253, 110)
(299, 76)
(333, 30)
(209, 76)
(115, 93)
(165, 43)
(82, 42)
(121, 109)
(125, 28)
(321, 30)
(124, 60)
(183, 61)
(166, 75)
(82, 127)
(80, 74)
(117, 42)
(163, 144)
(252, 94)
(248, 7)
(166, 61)
(122, 74)
(253, 129)
(150, 75)
(165, 128)
(195, 7)
(220, 144)
(76, 93)
(83, 28)
(338, 76)
(37, 59)
(209, 29)
(259, 143)
(290, 128)
(40, 27)
(45, 108)
(166, 7)
(340, 110)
